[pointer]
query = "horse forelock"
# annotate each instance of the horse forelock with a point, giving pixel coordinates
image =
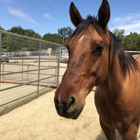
(83, 27)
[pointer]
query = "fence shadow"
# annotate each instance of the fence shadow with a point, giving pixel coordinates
(11, 106)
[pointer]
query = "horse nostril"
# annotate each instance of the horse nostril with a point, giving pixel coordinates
(65, 107)
(70, 102)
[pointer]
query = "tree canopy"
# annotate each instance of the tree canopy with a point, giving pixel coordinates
(53, 38)
(119, 33)
(128, 42)
(26, 32)
(132, 42)
(65, 33)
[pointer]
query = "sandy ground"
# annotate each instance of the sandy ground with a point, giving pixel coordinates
(38, 120)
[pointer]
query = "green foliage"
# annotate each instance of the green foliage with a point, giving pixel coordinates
(26, 32)
(1, 28)
(17, 30)
(119, 33)
(65, 33)
(52, 38)
(128, 42)
(12, 43)
(132, 42)
(15, 43)
(3, 36)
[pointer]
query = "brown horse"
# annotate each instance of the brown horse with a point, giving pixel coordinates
(96, 59)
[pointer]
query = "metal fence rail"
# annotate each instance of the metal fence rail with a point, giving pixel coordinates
(29, 74)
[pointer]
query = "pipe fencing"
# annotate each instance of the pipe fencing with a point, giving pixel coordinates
(30, 70)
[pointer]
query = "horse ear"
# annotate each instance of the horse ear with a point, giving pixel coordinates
(75, 16)
(104, 14)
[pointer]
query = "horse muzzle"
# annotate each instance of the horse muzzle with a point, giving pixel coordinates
(68, 109)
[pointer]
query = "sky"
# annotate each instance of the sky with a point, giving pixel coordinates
(47, 16)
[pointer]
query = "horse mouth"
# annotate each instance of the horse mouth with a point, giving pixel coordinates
(73, 115)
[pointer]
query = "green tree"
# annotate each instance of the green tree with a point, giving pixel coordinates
(3, 36)
(119, 33)
(65, 33)
(132, 42)
(17, 30)
(1, 28)
(55, 38)
(26, 32)
(14, 43)
(31, 33)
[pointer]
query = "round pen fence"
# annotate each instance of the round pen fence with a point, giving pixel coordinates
(31, 70)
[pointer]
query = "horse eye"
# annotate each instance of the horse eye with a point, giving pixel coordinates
(98, 49)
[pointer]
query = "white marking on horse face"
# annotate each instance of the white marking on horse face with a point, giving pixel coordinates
(81, 39)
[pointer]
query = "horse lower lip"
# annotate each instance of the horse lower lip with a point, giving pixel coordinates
(78, 113)
(72, 115)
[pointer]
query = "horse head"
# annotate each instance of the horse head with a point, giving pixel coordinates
(88, 63)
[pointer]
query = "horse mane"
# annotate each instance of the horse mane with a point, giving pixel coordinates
(127, 62)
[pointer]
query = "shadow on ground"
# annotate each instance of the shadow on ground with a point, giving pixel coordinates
(102, 136)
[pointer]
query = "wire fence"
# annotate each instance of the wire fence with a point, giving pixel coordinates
(27, 67)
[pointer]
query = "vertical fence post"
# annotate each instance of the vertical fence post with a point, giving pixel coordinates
(58, 65)
(0, 54)
(39, 65)
(22, 72)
